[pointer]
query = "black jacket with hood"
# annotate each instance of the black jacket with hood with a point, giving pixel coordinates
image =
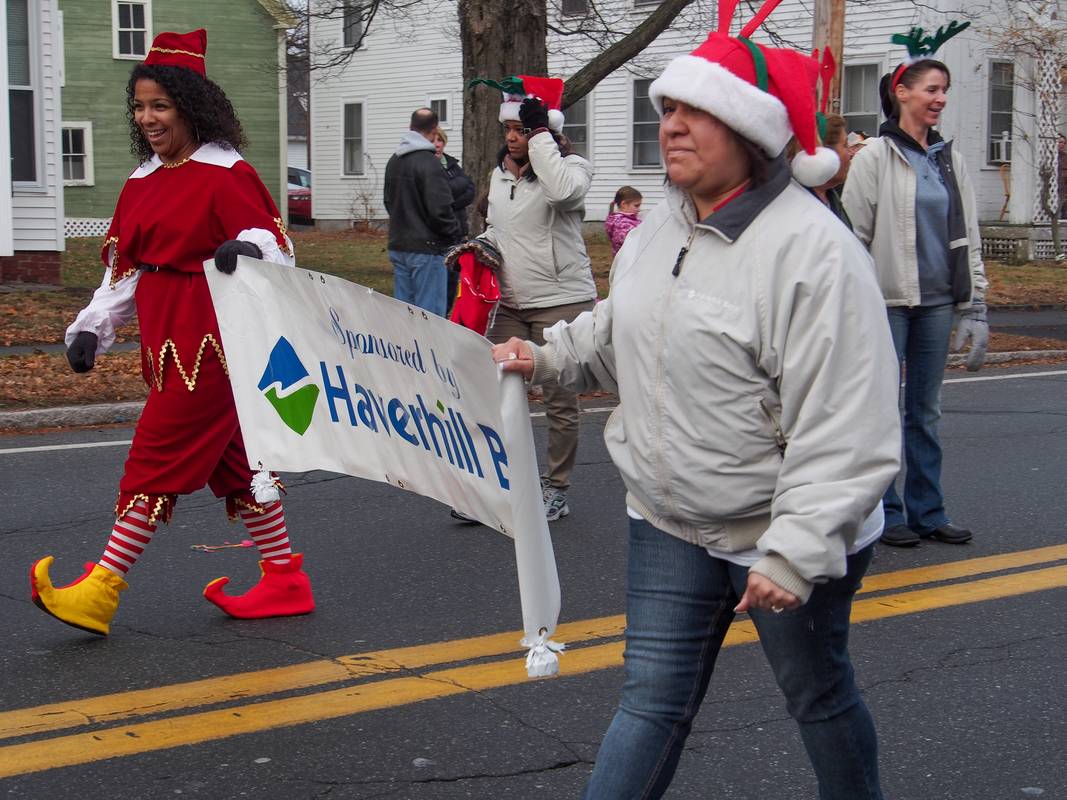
(418, 199)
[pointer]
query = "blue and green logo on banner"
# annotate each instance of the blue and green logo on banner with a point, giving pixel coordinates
(287, 386)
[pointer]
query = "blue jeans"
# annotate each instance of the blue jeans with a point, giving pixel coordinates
(420, 279)
(920, 336)
(679, 604)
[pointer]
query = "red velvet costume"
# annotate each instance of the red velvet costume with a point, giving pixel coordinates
(171, 220)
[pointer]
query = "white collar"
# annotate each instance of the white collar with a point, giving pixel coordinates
(206, 154)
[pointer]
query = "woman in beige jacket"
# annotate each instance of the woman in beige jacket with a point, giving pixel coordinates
(910, 201)
(756, 429)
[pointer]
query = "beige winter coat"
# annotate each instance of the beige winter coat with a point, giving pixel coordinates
(879, 197)
(537, 227)
(757, 388)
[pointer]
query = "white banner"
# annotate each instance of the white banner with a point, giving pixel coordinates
(331, 375)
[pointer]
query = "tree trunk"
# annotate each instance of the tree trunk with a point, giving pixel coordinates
(499, 39)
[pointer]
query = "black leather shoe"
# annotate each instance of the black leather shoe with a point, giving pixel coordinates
(951, 534)
(899, 536)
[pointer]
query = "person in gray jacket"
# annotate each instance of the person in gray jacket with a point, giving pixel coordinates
(911, 203)
(536, 205)
(422, 224)
(753, 433)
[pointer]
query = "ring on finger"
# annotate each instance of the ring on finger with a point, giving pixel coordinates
(777, 609)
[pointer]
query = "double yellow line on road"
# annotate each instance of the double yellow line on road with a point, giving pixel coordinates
(361, 695)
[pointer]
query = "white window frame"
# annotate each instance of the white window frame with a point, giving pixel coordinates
(86, 126)
(631, 149)
(588, 125)
(880, 69)
(988, 122)
(445, 124)
(115, 54)
(33, 11)
(362, 103)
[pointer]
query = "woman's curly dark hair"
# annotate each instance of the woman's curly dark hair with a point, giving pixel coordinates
(199, 101)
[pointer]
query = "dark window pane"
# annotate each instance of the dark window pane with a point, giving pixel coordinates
(353, 121)
(18, 43)
(137, 43)
(352, 24)
(576, 113)
(77, 140)
(138, 16)
(124, 15)
(125, 43)
(1001, 101)
(73, 168)
(353, 139)
(23, 136)
(440, 108)
(574, 7)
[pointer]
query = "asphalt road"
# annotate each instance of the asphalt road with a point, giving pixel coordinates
(960, 650)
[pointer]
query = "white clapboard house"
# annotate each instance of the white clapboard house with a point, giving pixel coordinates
(359, 112)
(31, 189)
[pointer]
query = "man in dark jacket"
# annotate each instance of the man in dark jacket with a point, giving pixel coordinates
(422, 225)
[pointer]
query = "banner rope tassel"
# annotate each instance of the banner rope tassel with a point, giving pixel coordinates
(542, 660)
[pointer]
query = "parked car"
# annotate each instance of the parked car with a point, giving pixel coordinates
(300, 195)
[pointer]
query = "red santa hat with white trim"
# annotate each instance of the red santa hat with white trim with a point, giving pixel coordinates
(766, 94)
(517, 88)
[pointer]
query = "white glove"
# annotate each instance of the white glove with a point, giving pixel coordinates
(971, 324)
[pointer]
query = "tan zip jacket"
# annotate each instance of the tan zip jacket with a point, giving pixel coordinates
(537, 227)
(879, 197)
(757, 387)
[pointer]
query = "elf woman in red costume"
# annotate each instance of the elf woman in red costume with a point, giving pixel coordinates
(192, 198)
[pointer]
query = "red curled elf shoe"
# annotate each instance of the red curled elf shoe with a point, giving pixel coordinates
(284, 590)
(88, 603)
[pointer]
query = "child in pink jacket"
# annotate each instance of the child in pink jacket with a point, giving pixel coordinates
(621, 222)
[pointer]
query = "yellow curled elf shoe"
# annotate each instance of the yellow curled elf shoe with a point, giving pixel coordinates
(88, 603)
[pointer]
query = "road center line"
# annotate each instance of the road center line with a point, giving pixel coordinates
(980, 378)
(127, 740)
(80, 446)
(357, 666)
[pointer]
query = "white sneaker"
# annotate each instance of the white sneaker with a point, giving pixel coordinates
(555, 503)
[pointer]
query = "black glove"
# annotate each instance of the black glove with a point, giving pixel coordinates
(533, 113)
(82, 351)
(226, 255)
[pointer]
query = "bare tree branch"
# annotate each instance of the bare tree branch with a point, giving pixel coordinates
(585, 79)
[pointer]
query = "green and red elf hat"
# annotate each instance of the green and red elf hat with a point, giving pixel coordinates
(920, 46)
(188, 50)
(517, 88)
(765, 94)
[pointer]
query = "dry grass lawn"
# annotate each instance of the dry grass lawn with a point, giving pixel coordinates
(41, 317)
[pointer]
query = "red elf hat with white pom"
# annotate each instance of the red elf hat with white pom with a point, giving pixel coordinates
(517, 88)
(765, 94)
(187, 50)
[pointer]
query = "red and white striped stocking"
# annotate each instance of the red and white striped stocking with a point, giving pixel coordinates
(129, 537)
(268, 531)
